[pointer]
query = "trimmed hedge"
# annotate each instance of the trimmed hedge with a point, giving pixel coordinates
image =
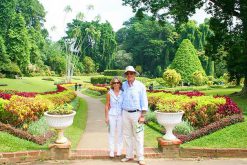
(103, 79)
(113, 72)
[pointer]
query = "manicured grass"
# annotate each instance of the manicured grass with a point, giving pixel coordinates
(10, 143)
(234, 136)
(28, 84)
(241, 102)
(75, 131)
(36, 84)
(150, 137)
(221, 91)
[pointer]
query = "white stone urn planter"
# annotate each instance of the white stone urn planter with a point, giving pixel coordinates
(60, 122)
(169, 120)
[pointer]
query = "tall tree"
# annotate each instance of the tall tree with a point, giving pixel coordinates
(7, 8)
(18, 45)
(223, 12)
(150, 43)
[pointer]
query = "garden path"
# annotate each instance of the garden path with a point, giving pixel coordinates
(95, 135)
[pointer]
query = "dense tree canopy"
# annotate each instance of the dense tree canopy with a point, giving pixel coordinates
(229, 34)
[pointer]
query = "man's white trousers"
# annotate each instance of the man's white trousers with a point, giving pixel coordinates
(132, 137)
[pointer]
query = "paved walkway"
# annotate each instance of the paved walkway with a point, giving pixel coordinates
(151, 162)
(95, 135)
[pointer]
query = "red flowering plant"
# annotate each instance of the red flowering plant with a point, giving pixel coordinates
(229, 108)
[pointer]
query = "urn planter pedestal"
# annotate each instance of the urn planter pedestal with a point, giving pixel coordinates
(169, 120)
(59, 123)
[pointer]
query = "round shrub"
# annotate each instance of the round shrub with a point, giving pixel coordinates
(198, 78)
(183, 128)
(171, 77)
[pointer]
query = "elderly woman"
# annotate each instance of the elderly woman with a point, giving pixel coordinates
(113, 115)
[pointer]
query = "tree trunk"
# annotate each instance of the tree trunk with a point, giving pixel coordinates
(243, 92)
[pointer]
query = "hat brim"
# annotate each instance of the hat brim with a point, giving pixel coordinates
(136, 73)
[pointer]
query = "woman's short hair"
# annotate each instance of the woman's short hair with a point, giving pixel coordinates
(113, 80)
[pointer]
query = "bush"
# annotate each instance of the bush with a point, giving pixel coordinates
(171, 77)
(10, 70)
(39, 127)
(150, 116)
(198, 78)
(183, 128)
(101, 79)
(113, 72)
(48, 79)
(22, 110)
(186, 61)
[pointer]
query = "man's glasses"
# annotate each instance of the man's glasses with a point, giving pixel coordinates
(116, 83)
(129, 73)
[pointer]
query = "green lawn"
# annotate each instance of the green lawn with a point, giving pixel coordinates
(234, 136)
(221, 91)
(36, 84)
(10, 143)
(75, 131)
(150, 137)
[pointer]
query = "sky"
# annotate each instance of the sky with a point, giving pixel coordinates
(111, 10)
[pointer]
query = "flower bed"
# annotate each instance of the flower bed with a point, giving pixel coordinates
(199, 110)
(7, 94)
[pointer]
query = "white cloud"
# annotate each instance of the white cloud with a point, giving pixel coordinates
(110, 10)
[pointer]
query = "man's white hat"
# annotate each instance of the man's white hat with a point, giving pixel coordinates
(130, 69)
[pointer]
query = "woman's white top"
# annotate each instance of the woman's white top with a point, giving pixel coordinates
(115, 103)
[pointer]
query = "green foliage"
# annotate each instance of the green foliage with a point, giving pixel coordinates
(122, 59)
(10, 70)
(64, 109)
(18, 45)
(150, 43)
(55, 58)
(101, 79)
(59, 98)
(183, 128)
(168, 107)
(39, 127)
(113, 72)
(95, 40)
(75, 131)
(138, 68)
(198, 78)
(3, 54)
(89, 65)
(171, 77)
(150, 116)
(186, 61)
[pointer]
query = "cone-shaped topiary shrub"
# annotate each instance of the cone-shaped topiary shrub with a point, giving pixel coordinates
(186, 61)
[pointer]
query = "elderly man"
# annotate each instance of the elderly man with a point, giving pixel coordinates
(135, 105)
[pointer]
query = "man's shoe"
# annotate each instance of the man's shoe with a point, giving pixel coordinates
(126, 159)
(111, 155)
(141, 162)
